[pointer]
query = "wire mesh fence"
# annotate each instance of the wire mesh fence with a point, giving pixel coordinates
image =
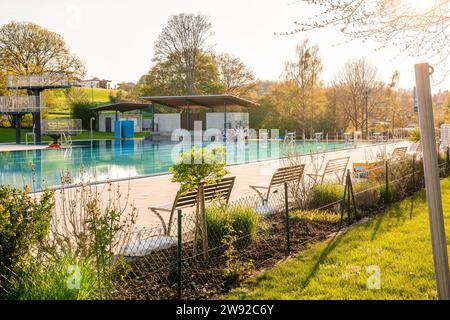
(204, 259)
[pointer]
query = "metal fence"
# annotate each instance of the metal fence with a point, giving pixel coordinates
(61, 126)
(247, 236)
(38, 80)
(20, 104)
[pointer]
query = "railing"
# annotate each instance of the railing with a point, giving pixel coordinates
(61, 126)
(41, 80)
(17, 104)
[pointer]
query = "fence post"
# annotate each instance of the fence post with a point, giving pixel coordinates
(414, 172)
(386, 190)
(179, 254)
(352, 193)
(447, 165)
(432, 184)
(286, 211)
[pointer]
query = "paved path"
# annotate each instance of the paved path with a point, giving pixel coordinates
(159, 190)
(20, 147)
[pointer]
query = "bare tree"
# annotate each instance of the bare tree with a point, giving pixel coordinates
(184, 40)
(305, 71)
(357, 79)
(236, 78)
(27, 48)
(416, 31)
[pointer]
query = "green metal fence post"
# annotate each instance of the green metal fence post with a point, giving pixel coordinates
(350, 188)
(447, 165)
(286, 211)
(179, 254)
(386, 173)
(414, 172)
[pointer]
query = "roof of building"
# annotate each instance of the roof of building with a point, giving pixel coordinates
(201, 101)
(123, 106)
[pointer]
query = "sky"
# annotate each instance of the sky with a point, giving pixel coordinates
(116, 39)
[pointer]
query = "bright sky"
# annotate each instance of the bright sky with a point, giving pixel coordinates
(116, 39)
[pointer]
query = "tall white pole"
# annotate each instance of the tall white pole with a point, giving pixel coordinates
(433, 188)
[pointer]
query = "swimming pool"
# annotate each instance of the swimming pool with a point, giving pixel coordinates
(106, 159)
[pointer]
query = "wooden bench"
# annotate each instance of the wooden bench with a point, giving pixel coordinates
(220, 192)
(399, 153)
(333, 166)
(281, 176)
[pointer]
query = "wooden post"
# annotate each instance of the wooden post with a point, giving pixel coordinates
(432, 181)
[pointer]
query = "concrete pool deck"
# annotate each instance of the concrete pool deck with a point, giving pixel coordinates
(159, 190)
(20, 147)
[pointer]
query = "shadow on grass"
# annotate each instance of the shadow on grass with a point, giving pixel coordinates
(332, 244)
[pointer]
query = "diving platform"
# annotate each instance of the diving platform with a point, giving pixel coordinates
(20, 105)
(39, 82)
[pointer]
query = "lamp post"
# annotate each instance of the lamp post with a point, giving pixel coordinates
(92, 92)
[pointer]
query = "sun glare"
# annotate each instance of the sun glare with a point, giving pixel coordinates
(420, 6)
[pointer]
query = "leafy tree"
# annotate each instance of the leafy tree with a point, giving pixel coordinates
(164, 78)
(197, 166)
(27, 48)
(183, 42)
(236, 78)
(304, 71)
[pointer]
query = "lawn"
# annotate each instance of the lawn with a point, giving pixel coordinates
(9, 135)
(397, 242)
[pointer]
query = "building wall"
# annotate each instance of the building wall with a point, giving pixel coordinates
(137, 118)
(235, 120)
(167, 122)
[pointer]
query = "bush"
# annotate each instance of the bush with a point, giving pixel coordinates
(367, 197)
(66, 278)
(325, 194)
(243, 222)
(24, 221)
(387, 196)
(83, 111)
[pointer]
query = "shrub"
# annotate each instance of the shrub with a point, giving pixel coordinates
(24, 221)
(388, 196)
(242, 221)
(367, 197)
(66, 278)
(325, 194)
(197, 166)
(83, 111)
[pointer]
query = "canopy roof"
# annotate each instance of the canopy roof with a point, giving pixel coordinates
(201, 101)
(122, 106)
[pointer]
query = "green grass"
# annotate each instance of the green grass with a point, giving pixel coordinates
(9, 135)
(61, 108)
(398, 242)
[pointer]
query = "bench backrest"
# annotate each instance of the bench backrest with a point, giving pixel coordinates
(399, 152)
(286, 174)
(336, 166)
(219, 191)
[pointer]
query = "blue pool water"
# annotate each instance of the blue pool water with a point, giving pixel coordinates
(103, 160)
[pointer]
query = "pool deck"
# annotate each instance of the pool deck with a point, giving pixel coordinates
(20, 147)
(159, 190)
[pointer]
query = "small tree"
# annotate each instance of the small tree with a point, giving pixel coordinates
(194, 168)
(199, 166)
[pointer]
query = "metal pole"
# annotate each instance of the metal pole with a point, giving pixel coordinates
(286, 211)
(225, 119)
(432, 183)
(18, 125)
(386, 188)
(179, 254)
